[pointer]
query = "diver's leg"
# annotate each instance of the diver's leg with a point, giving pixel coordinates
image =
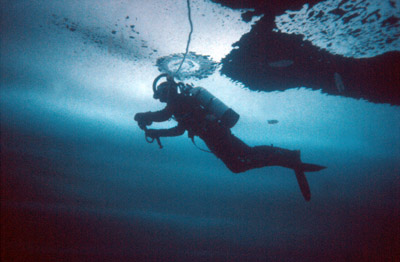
(232, 151)
(240, 157)
(236, 158)
(275, 156)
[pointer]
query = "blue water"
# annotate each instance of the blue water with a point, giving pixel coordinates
(80, 183)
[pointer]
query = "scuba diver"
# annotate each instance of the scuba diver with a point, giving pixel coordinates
(201, 114)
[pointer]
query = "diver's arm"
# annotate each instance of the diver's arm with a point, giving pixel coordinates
(160, 116)
(148, 118)
(175, 131)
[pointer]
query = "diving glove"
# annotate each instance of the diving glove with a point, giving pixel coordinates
(143, 119)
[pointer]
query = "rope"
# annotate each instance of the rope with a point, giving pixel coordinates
(189, 38)
(184, 57)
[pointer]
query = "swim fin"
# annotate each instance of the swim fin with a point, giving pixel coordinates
(311, 167)
(303, 184)
(302, 180)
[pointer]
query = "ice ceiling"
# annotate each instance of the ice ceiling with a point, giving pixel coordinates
(350, 28)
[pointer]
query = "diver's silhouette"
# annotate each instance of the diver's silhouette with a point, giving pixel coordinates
(203, 115)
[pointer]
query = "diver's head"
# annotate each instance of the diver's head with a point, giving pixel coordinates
(165, 92)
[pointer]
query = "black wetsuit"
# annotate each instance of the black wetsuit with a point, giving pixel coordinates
(236, 154)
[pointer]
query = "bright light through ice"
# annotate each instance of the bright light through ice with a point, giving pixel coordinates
(164, 25)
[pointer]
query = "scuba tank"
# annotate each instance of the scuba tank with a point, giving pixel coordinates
(225, 115)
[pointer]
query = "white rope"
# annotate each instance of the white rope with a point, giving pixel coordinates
(189, 38)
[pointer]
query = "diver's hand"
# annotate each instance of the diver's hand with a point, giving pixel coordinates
(140, 117)
(143, 119)
(152, 133)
